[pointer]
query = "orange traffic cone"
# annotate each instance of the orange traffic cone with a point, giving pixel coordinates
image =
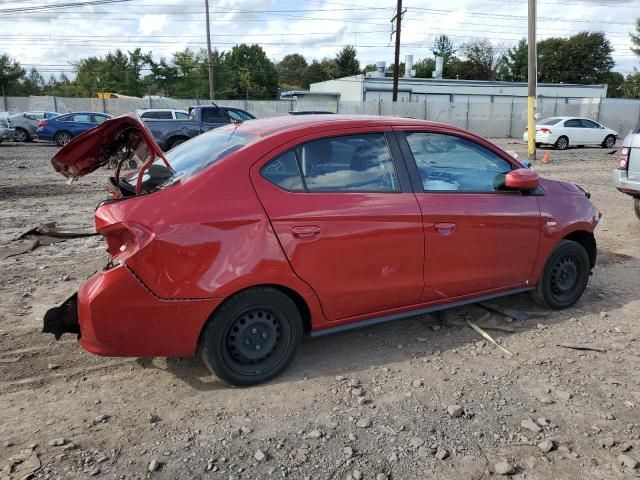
(547, 158)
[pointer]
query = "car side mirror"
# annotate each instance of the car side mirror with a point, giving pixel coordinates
(521, 179)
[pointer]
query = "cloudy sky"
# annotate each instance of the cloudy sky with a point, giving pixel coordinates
(51, 38)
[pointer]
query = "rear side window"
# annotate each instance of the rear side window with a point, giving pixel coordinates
(82, 118)
(158, 115)
(573, 123)
(65, 118)
(449, 163)
(182, 116)
(549, 121)
(350, 163)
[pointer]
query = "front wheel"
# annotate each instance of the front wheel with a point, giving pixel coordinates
(562, 143)
(636, 207)
(609, 141)
(21, 135)
(564, 277)
(252, 337)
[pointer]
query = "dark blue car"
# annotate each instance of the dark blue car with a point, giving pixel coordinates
(64, 128)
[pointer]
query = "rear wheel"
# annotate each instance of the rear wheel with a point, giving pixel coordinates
(62, 138)
(562, 143)
(21, 135)
(636, 207)
(176, 142)
(609, 141)
(252, 337)
(564, 277)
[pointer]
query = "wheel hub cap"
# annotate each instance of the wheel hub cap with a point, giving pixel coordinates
(564, 276)
(253, 336)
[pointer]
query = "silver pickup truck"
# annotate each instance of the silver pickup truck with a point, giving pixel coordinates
(626, 177)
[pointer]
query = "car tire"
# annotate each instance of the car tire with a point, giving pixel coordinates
(609, 141)
(252, 337)
(561, 143)
(564, 277)
(636, 207)
(21, 135)
(538, 144)
(177, 142)
(62, 138)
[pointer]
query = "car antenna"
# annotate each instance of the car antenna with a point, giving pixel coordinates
(233, 120)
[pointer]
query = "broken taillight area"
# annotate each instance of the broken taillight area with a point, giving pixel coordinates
(125, 239)
(623, 161)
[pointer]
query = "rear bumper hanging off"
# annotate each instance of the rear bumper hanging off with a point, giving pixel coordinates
(62, 319)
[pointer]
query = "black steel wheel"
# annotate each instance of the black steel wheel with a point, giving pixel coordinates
(564, 277)
(252, 337)
(609, 141)
(562, 143)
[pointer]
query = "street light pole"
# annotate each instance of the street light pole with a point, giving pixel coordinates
(532, 77)
(396, 68)
(211, 92)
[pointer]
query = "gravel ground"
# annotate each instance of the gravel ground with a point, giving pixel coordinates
(412, 399)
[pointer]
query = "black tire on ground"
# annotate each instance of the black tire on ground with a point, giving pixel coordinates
(62, 138)
(561, 143)
(252, 337)
(177, 142)
(564, 277)
(21, 135)
(636, 207)
(538, 144)
(609, 141)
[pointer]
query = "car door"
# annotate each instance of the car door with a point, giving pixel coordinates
(592, 133)
(213, 117)
(477, 239)
(80, 123)
(347, 220)
(573, 130)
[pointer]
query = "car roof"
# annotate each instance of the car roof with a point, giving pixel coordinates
(82, 113)
(160, 110)
(267, 126)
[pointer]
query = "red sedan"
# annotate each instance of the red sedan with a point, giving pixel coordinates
(233, 244)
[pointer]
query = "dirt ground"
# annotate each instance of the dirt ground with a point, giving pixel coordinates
(369, 404)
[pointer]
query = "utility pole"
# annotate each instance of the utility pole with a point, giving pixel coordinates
(532, 77)
(211, 92)
(396, 65)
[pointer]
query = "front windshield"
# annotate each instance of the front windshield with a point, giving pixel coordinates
(189, 158)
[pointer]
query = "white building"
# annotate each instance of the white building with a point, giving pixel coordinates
(361, 88)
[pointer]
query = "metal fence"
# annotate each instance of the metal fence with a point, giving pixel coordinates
(503, 117)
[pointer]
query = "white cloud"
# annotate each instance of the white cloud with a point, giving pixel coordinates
(149, 24)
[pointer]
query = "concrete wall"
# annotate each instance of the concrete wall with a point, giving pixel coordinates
(504, 117)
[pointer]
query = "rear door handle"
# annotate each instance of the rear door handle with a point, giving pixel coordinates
(445, 229)
(305, 231)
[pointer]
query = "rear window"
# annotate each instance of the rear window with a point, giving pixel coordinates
(193, 156)
(549, 121)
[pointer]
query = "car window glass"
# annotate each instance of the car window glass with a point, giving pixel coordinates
(549, 121)
(213, 115)
(51, 115)
(449, 163)
(589, 124)
(82, 118)
(347, 164)
(573, 123)
(182, 115)
(284, 172)
(100, 118)
(65, 118)
(238, 115)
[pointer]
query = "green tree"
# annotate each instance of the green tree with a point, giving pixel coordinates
(581, 58)
(630, 88)
(372, 67)
(482, 60)
(425, 67)
(10, 74)
(443, 47)
(252, 73)
(291, 70)
(33, 83)
(635, 38)
(514, 67)
(614, 81)
(315, 73)
(347, 62)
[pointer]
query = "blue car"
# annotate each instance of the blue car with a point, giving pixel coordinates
(64, 128)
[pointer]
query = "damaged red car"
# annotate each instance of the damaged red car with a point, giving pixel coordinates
(236, 243)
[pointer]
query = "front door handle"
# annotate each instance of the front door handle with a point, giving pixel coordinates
(445, 229)
(305, 232)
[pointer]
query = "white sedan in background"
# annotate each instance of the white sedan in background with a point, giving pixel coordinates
(562, 132)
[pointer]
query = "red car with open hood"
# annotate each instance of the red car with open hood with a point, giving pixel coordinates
(235, 243)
